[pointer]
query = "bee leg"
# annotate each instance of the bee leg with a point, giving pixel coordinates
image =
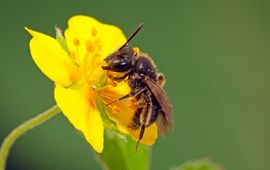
(139, 102)
(144, 119)
(161, 79)
(136, 123)
(134, 92)
(113, 80)
(140, 137)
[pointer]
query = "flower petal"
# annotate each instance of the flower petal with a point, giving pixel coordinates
(124, 114)
(149, 137)
(84, 28)
(79, 107)
(52, 59)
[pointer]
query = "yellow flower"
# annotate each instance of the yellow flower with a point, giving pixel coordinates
(74, 64)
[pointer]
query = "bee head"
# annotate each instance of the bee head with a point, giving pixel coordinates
(121, 60)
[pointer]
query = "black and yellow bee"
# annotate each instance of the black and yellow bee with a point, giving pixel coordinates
(146, 85)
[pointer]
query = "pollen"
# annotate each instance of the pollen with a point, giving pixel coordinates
(133, 104)
(76, 42)
(94, 31)
(94, 87)
(136, 49)
(90, 47)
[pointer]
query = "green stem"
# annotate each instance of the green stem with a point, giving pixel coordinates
(23, 128)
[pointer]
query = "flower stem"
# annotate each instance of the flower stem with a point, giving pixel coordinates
(23, 128)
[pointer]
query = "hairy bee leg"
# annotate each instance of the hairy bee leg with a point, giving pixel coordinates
(114, 80)
(144, 118)
(140, 137)
(139, 103)
(136, 123)
(134, 103)
(161, 79)
(131, 94)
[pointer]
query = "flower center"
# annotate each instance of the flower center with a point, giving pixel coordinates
(87, 56)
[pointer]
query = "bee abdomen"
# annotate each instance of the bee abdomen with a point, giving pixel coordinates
(147, 113)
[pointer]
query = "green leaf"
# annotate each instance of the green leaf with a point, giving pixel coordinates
(203, 164)
(119, 153)
(61, 39)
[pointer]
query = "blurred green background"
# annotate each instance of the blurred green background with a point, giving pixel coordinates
(215, 55)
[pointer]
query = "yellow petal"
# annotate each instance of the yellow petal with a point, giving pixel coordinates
(81, 29)
(122, 113)
(52, 59)
(79, 107)
(149, 137)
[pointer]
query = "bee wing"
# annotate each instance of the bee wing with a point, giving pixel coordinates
(165, 119)
(162, 124)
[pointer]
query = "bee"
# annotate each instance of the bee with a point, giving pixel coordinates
(153, 104)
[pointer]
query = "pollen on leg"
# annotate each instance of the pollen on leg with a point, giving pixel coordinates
(136, 49)
(133, 104)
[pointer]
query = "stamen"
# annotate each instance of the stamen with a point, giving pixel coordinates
(76, 42)
(73, 56)
(85, 65)
(94, 31)
(98, 44)
(90, 47)
(111, 82)
(93, 62)
(78, 55)
(97, 56)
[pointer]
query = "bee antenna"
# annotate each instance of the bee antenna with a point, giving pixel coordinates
(139, 27)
